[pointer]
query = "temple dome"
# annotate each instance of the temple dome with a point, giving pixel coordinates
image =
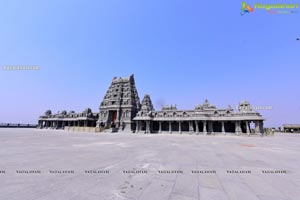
(206, 104)
(244, 106)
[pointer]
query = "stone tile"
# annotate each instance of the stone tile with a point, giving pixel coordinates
(48, 149)
(212, 194)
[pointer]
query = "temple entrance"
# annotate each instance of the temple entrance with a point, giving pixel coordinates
(112, 117)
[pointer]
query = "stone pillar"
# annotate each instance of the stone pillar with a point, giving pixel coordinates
(170, 127)
(136, 126)
(247, 128)
(204, 128)
(179, 123)
(259, 127)
(197, 127)
(191, 128)
(139, 126)
(159, 129)
(85, 123)
(118, 119)
(118, 115)
(147, 126)
(223, 127)
(237, 127)
(151, 126)
(63, 124)
(211, 128)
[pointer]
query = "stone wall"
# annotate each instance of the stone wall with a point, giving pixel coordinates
(83, 129)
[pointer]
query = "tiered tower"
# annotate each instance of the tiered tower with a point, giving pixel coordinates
(120, 105)
(147, 105)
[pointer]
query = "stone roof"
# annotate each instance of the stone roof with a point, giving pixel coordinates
(291, 125)
(201, 112)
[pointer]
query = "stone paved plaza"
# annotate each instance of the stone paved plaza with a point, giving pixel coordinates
(49, 164)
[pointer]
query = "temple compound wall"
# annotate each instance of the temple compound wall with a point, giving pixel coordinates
(121, 110)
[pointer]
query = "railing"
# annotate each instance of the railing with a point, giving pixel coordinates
(10, 125)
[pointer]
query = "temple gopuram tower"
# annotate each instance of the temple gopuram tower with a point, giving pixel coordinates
(120, 105)
(147, 105)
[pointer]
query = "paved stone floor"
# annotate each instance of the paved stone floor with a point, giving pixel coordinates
(131, 166)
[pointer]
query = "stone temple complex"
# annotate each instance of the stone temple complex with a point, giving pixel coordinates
(121, 110)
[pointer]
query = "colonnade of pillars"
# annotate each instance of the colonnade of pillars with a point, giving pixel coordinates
(62, 124)
(207, 127)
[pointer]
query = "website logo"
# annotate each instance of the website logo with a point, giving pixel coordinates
(246, 8)
(276, 8)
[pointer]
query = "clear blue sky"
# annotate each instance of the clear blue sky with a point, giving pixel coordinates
(181, 52)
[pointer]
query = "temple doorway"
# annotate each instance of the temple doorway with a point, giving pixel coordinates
(112, 117)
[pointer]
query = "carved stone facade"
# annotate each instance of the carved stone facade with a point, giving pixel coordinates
(204, 119)
(291, 128)
(147, 105)
(121, 110)
(120, 104)
(68, 121)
